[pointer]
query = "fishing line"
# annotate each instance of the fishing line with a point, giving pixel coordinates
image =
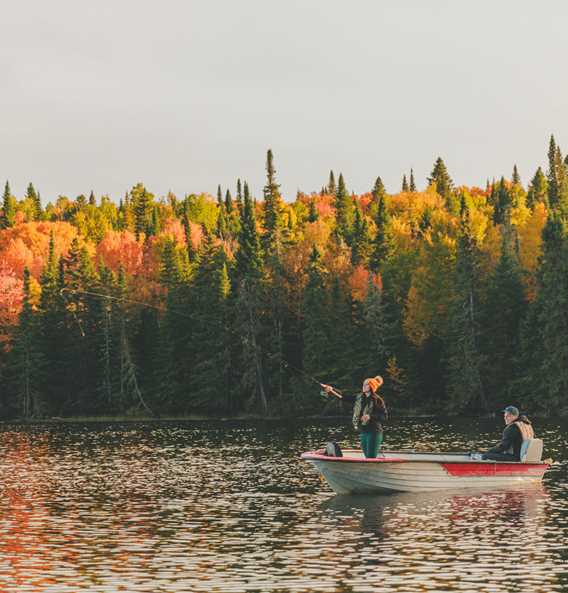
(308, 376)
(159, 308)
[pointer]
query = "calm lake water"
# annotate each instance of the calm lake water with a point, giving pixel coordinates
(164, 507)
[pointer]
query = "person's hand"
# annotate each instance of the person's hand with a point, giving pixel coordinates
(327, 388)
(365, 418)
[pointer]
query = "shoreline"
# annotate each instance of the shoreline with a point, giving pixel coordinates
(205, 418)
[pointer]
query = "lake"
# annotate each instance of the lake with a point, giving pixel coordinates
(230, 507)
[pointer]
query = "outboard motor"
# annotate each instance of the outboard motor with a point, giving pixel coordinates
(332, 449)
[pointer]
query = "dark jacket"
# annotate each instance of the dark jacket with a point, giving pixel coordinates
(375, 407)
(511, 442)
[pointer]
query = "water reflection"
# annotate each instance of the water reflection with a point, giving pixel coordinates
(188, 507)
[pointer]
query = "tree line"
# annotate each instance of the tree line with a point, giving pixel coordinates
(220, 306)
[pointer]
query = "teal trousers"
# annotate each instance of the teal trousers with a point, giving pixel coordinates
(371, 443)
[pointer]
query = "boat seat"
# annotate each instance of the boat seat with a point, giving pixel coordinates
(531, 451)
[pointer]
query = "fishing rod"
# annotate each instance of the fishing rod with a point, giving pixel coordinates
(333, 391)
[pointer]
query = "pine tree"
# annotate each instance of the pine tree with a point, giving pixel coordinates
(442, 181)
(501, 324)
(92, 199)
(8, 208)
(222, 227)
(33, 198)
(273, 208)
(228, 202)
(538, 189)
(331, 187)
(379, 191)
(552, 316)
(249, 268)
(142, 207)
(465, 385)
(404, 183)
(562, 183)
(380, 326)
(209, 385)
(249, 255)
(239, 198)
(316, 360)
(503, 202)
(361, 243)
(343, 212)
(26, 363)
(54, 337)
(412, 182)
(313, 214)
(516, 178)
(383, 244)
(552, 174)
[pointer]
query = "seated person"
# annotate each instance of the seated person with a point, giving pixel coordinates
(517, 429)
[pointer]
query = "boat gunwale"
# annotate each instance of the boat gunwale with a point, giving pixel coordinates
(315, 456)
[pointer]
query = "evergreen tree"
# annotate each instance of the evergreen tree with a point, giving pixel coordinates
(383, 245)
(404, 183)
(273, 208)
(380, 326)
(538, 189)
(92, 199)
(222, 228)
(8, 208)
(312, 211)
(442, 181)
(228, 202)
(34, 200)
(209, 386)
(552, 316)
(331, 187)
(26, 363)
(552, 174)
(412, 182)
(503, 202)
(316, 359)
(501, 324)
(516, 178)
(239, 197)
(361, 243)
(343, 212)
(249, 254)
(465, 385)
(142, 208)
(379, 191)
(249, 267)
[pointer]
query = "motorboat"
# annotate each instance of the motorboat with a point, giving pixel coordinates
(411, 471)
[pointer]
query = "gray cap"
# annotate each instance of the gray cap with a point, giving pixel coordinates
(511, 410)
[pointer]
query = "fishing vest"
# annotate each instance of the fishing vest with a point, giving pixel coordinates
(526, 430)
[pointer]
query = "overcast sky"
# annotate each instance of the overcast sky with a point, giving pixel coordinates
(183, 95)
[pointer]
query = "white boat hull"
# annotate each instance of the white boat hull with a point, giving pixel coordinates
(419, 472)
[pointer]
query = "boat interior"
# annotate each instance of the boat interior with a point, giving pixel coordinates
(531, 452)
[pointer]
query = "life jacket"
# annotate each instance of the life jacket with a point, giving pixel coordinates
(525, 429)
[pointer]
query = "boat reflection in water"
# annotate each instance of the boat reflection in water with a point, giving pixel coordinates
(447, 539)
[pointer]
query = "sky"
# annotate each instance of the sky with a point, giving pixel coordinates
(184, 95)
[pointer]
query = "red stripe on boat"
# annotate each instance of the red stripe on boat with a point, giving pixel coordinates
(493, 469)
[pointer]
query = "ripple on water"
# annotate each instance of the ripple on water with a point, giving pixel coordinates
(189, 507)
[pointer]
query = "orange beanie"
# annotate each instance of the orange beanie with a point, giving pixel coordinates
(374, 383)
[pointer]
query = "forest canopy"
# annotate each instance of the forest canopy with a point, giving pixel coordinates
(229, 304)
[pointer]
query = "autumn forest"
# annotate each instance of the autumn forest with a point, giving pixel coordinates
(238, 304)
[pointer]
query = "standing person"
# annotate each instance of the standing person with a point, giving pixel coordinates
(369, 414)
(517, 429)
